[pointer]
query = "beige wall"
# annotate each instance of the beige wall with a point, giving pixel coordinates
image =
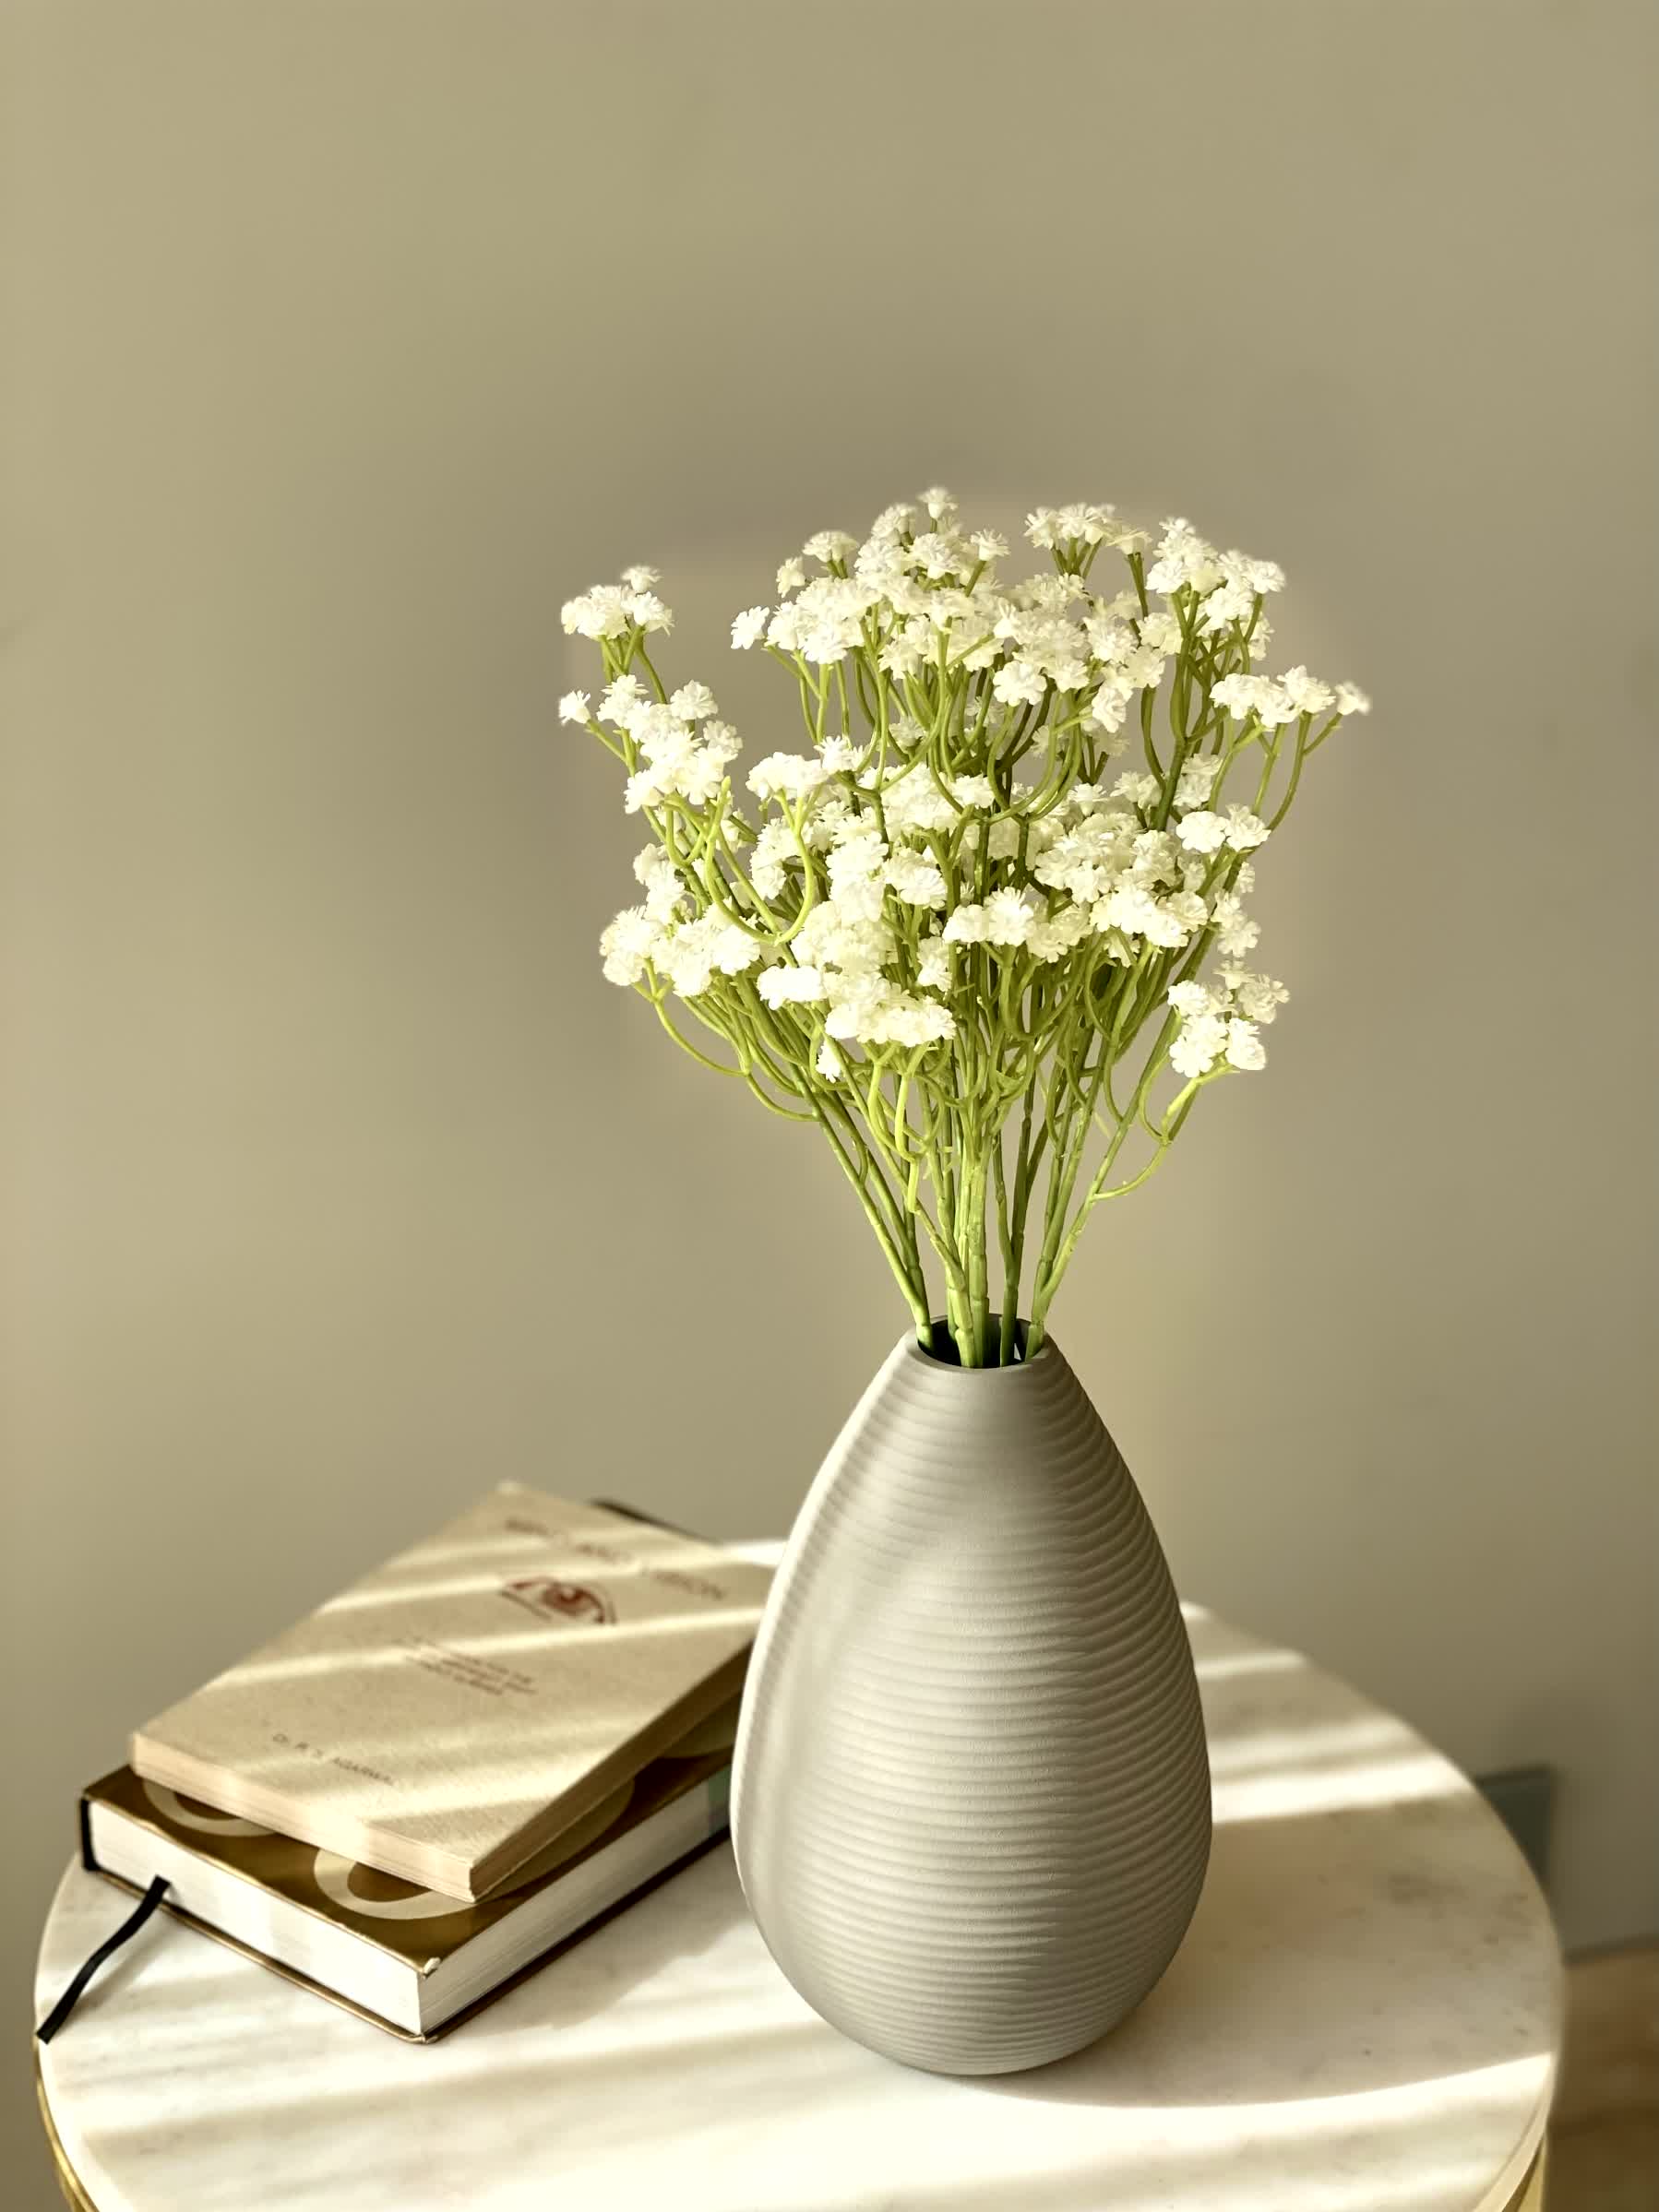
(342, 341)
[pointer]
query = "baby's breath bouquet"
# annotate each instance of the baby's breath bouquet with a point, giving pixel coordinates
(994, 969)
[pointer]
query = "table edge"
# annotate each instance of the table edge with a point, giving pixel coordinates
(75, 2191)
(79, 2197)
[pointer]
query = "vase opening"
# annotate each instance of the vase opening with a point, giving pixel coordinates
(941, 1345)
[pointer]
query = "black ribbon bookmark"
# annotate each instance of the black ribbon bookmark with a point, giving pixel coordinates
(127, 1930)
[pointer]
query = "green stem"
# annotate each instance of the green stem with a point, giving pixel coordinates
(915, 1293)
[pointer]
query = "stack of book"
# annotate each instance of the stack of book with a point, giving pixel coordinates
(420, 1792)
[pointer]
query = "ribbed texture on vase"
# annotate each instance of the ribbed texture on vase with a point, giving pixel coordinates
(970, 1803)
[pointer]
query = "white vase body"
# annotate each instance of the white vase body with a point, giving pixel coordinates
(970, 1800)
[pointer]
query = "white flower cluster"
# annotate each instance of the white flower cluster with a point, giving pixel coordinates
(611, 610)
(1221, 1021)
(675, 758)
(949, 842)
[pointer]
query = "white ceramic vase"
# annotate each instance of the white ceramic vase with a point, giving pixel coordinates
(971, 1799)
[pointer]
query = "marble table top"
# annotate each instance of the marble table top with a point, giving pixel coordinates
(1365, 2017)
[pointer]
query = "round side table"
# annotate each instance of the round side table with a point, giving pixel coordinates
(1365, 2017)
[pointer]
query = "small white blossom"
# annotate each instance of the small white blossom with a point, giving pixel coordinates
(903, 655)
(1196, 782)
(686, 956)
(620, 701)
(1019, 682)
(1203, 832)
(720, 746)
(831, 938)
(939, 554)
(1185, 562)
(1258, 696)
(826, 642)
(828, 545)
(1257, 997)
(1238, 694)
(1305, 692)
(1244, 1049)
(1198, 1043)
(573, 707)
(915, 802)
(1008, 917)
(876, 1012)
(1179, 919)
(748, 627)
(1052, 936)
(1082, 523)
(857, 869)
(601, 613)
(774, 850)
(693, 702)
(1274, 705)
(734, 949)
(973, 791)
(1046, 596)
(1110, 638)
(662, 883)
(787, 627)
(937, 501)
(829, 1064)
(990, 545)
(1232, 602)
(830, 818)
(1236, 933)
(915, 879)
(1191, 999)
(1110, 703)
(1129, 909)
(1261, 576)
(627, 945)
(787, 775)
(792, 576)
(933, 964)
(1350, 699)
(1083, 860)
(646, 609)
(640, 578)
(1245, 829)
(967, 925)
(1157, 857)
(786, 986)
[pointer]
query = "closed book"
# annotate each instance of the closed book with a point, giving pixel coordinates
(447, 1716)
(405, 1957)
